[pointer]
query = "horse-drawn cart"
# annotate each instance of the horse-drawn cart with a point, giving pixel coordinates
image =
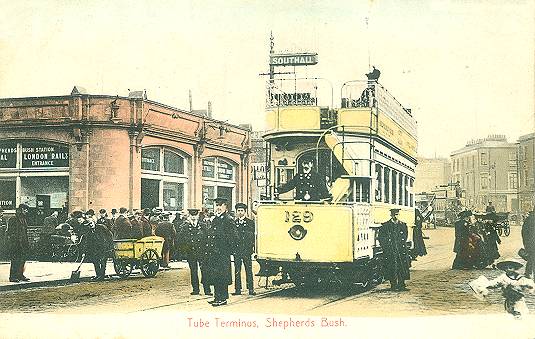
(144, 254)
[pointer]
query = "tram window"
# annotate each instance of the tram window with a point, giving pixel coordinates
(401, 179)
(394, 187)
(361, 190)
(387, 185)
(411, 194)
(379, 182)
(283, 175)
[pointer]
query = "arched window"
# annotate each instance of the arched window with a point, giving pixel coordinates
(219, 180)
(163, 178)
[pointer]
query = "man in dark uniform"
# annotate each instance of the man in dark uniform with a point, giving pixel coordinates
(308, 184)
(192, 242)
(220, 246)
(245, 230)
(392, 236)
(17, 243)
(145, 223)
(104, 220)
(462, 231)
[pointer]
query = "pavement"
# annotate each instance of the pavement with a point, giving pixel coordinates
(43, 274)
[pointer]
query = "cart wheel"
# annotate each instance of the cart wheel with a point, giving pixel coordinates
(123, 268)
(500, 231)
(149, 262)
(507, 230)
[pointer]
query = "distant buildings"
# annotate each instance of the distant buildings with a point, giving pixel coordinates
(526, 163)
(487, 170)
(430, 173)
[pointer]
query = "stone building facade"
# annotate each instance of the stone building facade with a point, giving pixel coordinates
(487, 170)
(526, 174)
(87, 151)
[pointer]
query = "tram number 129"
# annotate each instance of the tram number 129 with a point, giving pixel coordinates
(298, 216)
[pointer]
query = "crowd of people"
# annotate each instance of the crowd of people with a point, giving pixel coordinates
(207, 240)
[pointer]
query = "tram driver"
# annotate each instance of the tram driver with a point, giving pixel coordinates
(308, 183)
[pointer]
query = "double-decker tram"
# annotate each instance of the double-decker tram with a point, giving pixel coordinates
(363, 152)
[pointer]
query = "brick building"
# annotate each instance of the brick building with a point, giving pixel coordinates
(430, 173)
(526, 174)
(487, 170)
(98, 151)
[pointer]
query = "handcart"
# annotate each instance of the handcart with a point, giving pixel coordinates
(144, 254)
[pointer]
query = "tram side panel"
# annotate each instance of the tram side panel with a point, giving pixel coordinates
(305, 233)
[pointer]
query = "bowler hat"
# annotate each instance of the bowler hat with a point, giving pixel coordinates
(113, 211)
(394, 210)
(509, 264)
(240, 205)
(220, 200)
(465, 214)
(193, 211)
(24, 206)
(77, 214)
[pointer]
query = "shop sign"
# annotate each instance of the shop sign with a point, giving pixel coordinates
(150, 159)
(224, 170)
(44, 155)
(259, 170)
(8, 154)
(298, 59)
(7, 194)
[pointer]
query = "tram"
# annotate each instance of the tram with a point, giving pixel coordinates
(366, 151)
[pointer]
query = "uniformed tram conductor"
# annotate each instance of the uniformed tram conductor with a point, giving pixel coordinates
(308, 184)
(220, 246)
(392, 236)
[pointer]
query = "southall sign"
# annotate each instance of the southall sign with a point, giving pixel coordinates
(299, 59)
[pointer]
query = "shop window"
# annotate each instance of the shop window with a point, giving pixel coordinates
(35, 173)
(173, 163)
(163, 179)
(218, 181)
(150, 159)
(379, 182)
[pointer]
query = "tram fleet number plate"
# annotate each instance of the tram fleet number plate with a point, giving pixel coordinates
(298, 216)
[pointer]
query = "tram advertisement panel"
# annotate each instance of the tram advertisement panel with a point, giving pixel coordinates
(37, 154)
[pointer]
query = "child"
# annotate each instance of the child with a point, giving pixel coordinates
(512, 284)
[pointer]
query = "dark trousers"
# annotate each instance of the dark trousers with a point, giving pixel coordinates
(248, 263)
(16, 271)
(396, 281)
(220, 292)
(530, 265)
(100, 266)
(194, 267)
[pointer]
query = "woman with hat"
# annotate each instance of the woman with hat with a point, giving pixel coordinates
(460, 247)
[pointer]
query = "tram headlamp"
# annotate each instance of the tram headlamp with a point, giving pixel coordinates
(297, 232)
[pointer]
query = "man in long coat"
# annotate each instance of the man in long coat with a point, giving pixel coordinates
(192, 243)
(220, 246)
(166, 230)
(460, 246)
(98, 246)
(17, 243)
(528, 239)
(417, 236)
(245, 230)
(122, 225)
(392, 237)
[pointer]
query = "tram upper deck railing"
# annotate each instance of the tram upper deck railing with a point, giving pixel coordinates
(362, 93)
(303, 97)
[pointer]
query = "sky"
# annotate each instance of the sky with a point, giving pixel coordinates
(465, 68)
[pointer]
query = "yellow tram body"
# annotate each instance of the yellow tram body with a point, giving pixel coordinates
(367, 152)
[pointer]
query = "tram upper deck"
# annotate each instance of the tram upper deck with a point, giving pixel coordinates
(366, 108)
